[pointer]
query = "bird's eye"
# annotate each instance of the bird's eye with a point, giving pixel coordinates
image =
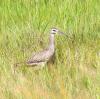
(54, 30)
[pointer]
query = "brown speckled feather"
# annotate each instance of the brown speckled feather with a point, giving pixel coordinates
(42, 56)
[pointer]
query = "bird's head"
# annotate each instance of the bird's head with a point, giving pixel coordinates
(55, 31)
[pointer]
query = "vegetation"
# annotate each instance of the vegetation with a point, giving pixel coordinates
(24, 28)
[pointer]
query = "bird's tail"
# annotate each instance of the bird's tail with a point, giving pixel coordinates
(19, 64)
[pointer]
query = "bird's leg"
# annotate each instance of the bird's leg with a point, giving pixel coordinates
(51, 62)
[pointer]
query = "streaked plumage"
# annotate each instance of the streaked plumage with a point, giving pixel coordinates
(39, 59)
(42, 56)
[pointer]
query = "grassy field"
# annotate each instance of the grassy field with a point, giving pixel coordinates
(24, 28)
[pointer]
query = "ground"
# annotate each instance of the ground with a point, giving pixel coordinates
(24, 29)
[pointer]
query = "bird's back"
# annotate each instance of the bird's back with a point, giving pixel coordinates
(42, 56)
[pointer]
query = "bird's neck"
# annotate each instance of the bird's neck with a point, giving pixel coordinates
(51, 42)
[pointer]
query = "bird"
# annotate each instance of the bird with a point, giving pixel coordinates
(39, 59)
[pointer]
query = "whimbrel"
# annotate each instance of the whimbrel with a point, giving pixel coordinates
(39, 59)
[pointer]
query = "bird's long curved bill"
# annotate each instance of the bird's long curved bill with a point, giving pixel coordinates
(60, 32)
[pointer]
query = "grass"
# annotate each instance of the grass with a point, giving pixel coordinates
(24, 28)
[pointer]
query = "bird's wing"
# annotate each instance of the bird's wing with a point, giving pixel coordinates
(40, 57)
